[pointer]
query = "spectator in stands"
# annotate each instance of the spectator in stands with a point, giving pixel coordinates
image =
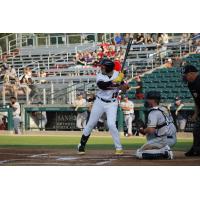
(159, 41)
(180, 115)
(168, 63)
(8, 74)
(140, 39)
(16, 114)
(80, 60)
(88, 58)
(100, 54)
(27, 73)
(198, 47)
(126, 38)
(13, 73)
(110, 53)
(79, 104)
(154, 37)
(94, 55)
(139, 88)
(118, 39)
(165, 38)
(4, 64)
(121, 53)
(43, 74)
(185, 37)
(148, 39)
(117, 64)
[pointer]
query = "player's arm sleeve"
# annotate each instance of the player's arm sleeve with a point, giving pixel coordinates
(104, 85)
(152, 120)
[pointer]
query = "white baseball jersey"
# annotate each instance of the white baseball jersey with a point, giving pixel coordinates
(156, 118)
(129, 104)
(16, 109)
(81, 102)
(107, 94)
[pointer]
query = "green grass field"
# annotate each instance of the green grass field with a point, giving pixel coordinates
(70, 142)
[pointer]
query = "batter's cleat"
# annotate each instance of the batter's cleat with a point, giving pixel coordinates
(81, 150)
(119, 152)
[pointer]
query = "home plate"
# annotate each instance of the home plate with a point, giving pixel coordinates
(66, 158)
(38, 156)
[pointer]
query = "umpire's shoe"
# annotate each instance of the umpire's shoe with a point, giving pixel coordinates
(192, 152)
(81, 149)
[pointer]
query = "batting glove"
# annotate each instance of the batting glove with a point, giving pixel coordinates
(119, 78)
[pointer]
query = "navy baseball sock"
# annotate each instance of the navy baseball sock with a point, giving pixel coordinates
(84, 140)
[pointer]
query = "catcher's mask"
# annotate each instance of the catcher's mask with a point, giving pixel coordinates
(108, 64)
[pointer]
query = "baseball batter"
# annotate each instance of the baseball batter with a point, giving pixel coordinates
(160, 131)
(108, 82)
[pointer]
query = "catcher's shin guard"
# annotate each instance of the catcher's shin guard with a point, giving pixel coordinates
(157, 156)
(81, 146)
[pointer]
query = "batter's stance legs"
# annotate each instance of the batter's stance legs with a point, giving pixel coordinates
(111, 113)
(96, 113)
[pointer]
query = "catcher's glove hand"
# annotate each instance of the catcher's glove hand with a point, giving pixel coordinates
(141, 130)
(119, 78)
(124, 87)
(140, 126)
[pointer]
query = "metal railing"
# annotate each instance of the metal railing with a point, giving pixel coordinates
(152, 62)
(4, 42)
(53, 56)
(16, 43)
(55, 95)
(17, 40)
(61, 39)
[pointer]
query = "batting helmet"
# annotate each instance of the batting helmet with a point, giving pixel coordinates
(154, 95)
(109, 65)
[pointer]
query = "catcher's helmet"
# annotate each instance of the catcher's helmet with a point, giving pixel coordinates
(109, 64)
(153, 95)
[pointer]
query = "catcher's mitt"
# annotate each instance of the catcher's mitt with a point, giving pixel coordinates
(140, 125)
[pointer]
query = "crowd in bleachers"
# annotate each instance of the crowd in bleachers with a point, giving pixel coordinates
(115, 50)
(105, 50)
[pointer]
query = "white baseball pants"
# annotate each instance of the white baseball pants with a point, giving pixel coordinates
(97, 111)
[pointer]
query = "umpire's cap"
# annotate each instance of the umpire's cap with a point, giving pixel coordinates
(189, 68)
(109, 64)
(153, 95)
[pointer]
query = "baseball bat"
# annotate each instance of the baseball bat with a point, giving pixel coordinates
(127, 52)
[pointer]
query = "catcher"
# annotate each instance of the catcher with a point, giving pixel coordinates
(160, 130)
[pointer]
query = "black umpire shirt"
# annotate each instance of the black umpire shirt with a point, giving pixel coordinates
(194, 88)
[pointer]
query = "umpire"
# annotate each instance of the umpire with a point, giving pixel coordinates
(192, 77)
